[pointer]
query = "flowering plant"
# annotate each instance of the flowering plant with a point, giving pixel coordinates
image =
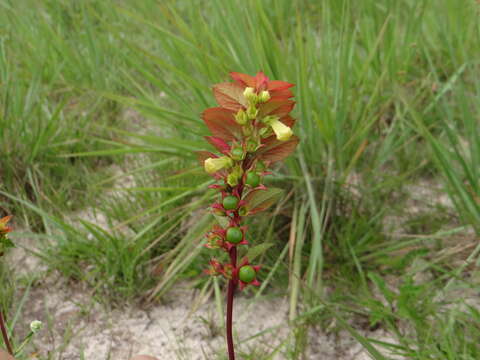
(252, 130)
(5, 243)
(35, 326)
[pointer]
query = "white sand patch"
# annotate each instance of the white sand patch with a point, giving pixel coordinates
(78, 326)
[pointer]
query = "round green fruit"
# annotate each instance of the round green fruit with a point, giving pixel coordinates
(247, 274)
(230, 202)
(234, 235)
(252, 179)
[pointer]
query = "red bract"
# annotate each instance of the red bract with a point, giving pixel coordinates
(219, 144)
(251, 130)
(275, 150)
(216, 268)
(215, 238)
(261, 82)
(221, 123)
(229, 96)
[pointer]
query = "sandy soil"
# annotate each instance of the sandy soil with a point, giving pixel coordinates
(78, 327)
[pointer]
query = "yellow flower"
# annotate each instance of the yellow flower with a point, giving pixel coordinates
(212, 165)
(282, 131)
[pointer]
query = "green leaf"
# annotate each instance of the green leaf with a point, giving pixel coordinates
(258, 250)
(259, 200)
(222, 220)
(5, 243)
(382, 286)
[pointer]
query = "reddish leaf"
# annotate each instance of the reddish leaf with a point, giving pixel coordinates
(230, 96)
(276, 107)
(280, 95)
(275, 150)
(219, 144)
(259, 200)
(221, 123)
(204, 155)
(261, 81)
(243, 79)
(288, 120)
(276, 85)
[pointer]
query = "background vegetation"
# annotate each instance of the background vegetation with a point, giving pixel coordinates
(99, 111)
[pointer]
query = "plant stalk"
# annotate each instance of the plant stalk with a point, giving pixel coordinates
(232, 284)
(5, 334)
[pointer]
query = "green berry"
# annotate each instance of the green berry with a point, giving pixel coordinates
(230, 202)
(253, 179)
(234, 235)
(247, 274)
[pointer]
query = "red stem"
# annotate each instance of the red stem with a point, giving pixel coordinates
(232, 284)
(5, 334)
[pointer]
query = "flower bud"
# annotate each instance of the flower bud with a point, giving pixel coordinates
(243, 211)
(282, 131)
(237, 154)
(241, 117)
(252, 145)
(250, 95)
(234, 177)
(36, 326)
(264, 96)
(265, 132)
(212, 165)
(252, 112)
(247, 130)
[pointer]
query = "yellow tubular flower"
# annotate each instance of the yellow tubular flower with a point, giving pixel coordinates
(212, 165)
(282, 131)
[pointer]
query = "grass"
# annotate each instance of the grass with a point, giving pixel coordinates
(387, 99)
